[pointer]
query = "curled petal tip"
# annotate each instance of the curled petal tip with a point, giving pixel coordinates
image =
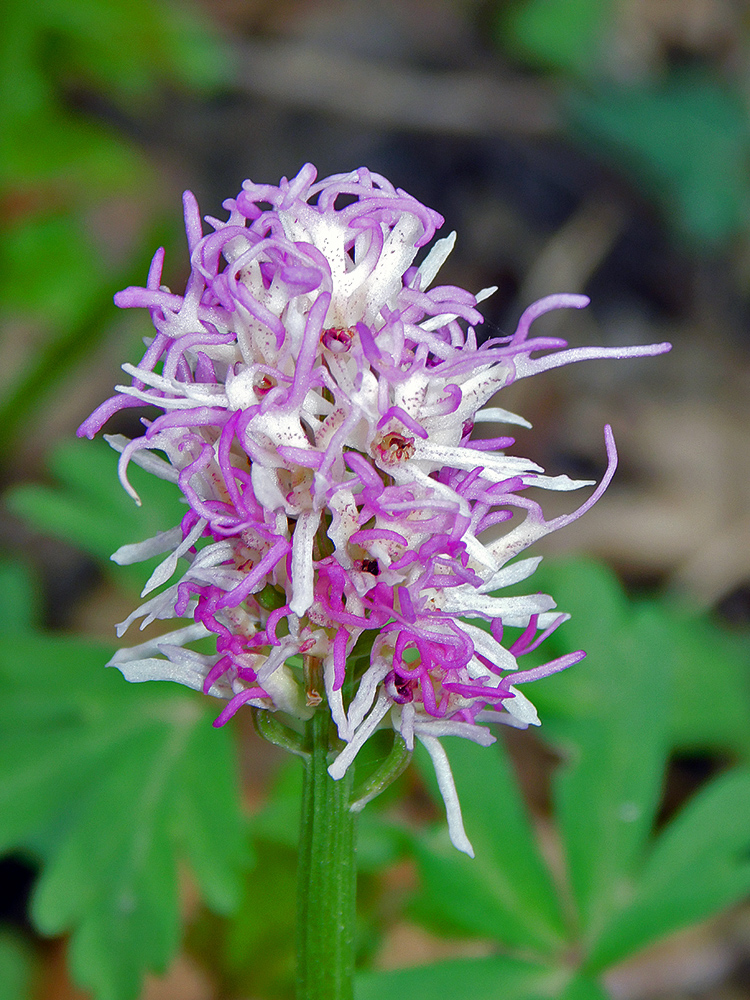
(577, 301)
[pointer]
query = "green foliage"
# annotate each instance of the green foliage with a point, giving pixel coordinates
(252, 951)
(681, 137)
(615, 719)
(123, 47)
(18, 596)
(16, 965)
(58, 169)
(684, 141)
(556, 34)
(465, 979)
(111, 785)
(505, 890)
(689, 650)
(90, 509)
(699, 864)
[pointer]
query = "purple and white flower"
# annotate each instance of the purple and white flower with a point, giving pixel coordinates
(319, 399)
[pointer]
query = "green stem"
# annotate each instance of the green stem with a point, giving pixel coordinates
(326, 893)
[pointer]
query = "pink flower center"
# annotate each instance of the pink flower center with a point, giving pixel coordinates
(265, 385)
(337, 339)
(394, 448)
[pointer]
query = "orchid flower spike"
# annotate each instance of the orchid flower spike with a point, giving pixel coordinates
(319, 397)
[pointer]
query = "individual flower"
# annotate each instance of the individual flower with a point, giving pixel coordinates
(320, 403)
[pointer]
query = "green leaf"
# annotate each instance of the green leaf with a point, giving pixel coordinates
(123, 47)
(115, 882)
(696, 645)
(76, 160)
(203, 806)
(684, 141)
(558, 34)
(278, 821)
(505, 891)
(16, 964)
(609, 715)
(583, 988)
(19, 597)
(59, 295)
(58, 169)
(639, 694)
(702, 648)
(91, 510)
(699, 865)
(251, 953)
(464, 979)
(199, 55)
(119, 782)
(615, 717)
(72, 334)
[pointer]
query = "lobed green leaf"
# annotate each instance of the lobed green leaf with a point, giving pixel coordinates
(125, 781)
(699, 865)
(465, 979)
(505, 891)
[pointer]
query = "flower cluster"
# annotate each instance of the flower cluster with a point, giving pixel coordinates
(319, 403)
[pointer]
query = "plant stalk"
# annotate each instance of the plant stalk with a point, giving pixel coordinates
(326, 886)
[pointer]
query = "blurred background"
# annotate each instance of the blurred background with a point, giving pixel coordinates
(597, 146)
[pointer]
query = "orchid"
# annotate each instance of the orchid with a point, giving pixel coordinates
(346, 531)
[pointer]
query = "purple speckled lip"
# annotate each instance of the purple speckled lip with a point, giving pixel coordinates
(318, 398)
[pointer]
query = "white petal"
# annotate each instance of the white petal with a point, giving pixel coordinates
(163, 542)
(521, 708)
(208, 395)
(179, 637)
(470, 458)
(159, 607)
(558, 483)
(487, 646)
(508, 575)
(445, 727)
(490, 715)
(435, 259)
(365, 695)
(495, 415)
(345, 759)
(302, 561)
(335, 700)
(435, 322)
(514, 611)
(166, 402)
(266, 487)
(151, 463)
(404, 723)
(286, 693)
(447, 788)
(166, 568)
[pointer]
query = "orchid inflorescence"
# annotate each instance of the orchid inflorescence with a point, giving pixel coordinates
(319, 404)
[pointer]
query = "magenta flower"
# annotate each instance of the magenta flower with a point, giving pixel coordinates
(319, 400)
